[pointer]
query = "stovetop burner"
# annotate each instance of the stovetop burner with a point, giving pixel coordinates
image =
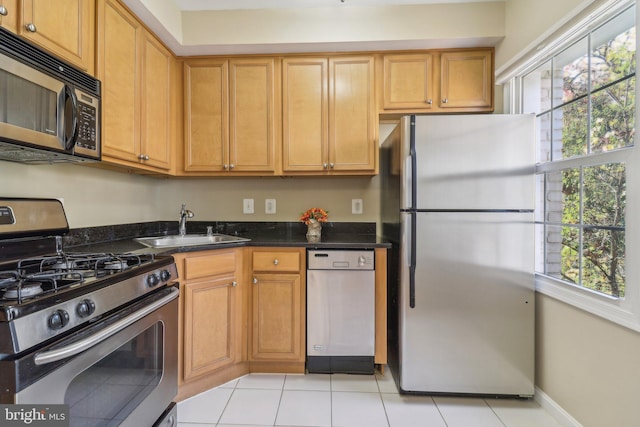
(25, 291)
(35, 276)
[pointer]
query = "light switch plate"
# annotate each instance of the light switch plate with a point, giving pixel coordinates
(356, 206)
(270, 206)
(247, 206)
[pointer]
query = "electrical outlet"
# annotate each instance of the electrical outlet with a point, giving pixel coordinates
(247, 206)
(356, 206)
(270, 206)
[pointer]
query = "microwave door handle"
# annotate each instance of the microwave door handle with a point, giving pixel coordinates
(70, 100)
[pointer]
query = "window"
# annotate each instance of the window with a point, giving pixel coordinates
(583, 95)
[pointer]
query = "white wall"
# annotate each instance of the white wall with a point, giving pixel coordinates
(526, 22)
(95, 197)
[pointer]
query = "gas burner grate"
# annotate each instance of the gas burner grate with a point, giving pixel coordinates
(22, 287)
(46, 274)
(90, 264)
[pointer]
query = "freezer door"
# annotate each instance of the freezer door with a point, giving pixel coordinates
(472, 327)
(474, 162)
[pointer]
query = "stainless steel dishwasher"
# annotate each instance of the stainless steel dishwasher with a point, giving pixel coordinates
(340, 311)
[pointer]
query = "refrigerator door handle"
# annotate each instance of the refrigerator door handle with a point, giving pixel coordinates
(412, 261)
(414, 163)
(414, 205)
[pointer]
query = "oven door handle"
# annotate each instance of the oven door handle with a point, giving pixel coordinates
(80, 346)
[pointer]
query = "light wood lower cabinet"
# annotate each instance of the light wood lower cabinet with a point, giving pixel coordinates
(380, 357)
(212, 340)
(277, 317)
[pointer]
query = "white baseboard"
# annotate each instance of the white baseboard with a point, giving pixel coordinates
(563, 417)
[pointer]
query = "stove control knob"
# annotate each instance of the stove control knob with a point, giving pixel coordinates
(165, 275)
(59, 319)
(153, 279)
(85, 308)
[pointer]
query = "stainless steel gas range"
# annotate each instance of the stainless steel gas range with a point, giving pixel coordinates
(96, 332)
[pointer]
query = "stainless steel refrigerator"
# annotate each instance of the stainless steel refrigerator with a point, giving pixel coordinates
(457, 202)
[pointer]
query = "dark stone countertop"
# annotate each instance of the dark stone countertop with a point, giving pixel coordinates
(120, 238)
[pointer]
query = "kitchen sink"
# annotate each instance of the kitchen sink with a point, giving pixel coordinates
(189, 240)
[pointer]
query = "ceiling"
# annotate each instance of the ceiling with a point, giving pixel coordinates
(289, 4)
(225, 27)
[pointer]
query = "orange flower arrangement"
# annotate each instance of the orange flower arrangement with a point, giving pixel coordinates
(318, 214)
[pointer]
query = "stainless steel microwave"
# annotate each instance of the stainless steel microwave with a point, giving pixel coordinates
(49, 110)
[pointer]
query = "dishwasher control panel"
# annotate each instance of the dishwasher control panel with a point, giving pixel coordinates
(340, 259)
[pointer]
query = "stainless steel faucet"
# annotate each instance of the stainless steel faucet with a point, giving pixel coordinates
(184, 214)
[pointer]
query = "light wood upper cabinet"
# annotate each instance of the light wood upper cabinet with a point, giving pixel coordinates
(9, 15)
(329, 117)
(156, 118)
(305, 121)
(252, 113)
(277, 331)
(136, 74)
(352, 115)
(438, 82)
(118, 64)
(66, 28)
(231, 116)
(408, 81)
(206, 94)
(466, 80)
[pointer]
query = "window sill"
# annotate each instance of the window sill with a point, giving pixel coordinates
(612, 309)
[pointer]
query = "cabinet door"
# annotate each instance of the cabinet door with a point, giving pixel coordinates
(210, 326)
(277, 324)
(63, 27)
(305, 111)
(408, 82)
(9, 15)
(252, 115)
(467, 80)
(352, 114)
(206, 115)
(118, 67)
(155, 133)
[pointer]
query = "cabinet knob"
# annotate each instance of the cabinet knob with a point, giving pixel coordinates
(429, 101)
(225, 166)
(143, 157)
(3, 10)
(255, 281)
(231, 166)
(324, 165)
(234, 283)
(31, 27)
(331, 165)
(276, 262)
(444, 101)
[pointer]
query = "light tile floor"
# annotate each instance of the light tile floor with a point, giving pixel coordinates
(347, 401)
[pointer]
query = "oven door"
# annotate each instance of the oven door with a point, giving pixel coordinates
(123, 373)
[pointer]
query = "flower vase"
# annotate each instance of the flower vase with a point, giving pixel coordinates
(314, 230)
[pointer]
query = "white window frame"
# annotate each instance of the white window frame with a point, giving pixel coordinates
(624, 311)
